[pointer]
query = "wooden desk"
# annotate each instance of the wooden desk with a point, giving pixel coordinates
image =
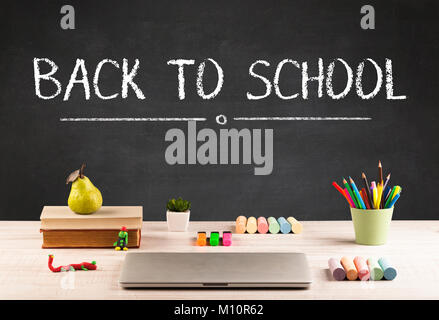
(412, 248)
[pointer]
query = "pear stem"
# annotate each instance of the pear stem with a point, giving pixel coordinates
(81, 171)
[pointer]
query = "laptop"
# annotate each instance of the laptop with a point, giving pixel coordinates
(215, 270)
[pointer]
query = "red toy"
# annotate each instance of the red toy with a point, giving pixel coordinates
(72, 267)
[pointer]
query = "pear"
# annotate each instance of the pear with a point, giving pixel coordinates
(84, 197)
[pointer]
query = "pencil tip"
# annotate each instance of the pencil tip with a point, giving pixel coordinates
(388, 176)
(363, 175)
(379, 163)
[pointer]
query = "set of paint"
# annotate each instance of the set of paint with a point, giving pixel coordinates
(272, 225)
(214, 239)
(359, 268)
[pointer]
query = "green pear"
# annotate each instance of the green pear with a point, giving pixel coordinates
(84, 197)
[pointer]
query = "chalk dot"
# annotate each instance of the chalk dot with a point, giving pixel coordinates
(221, 119)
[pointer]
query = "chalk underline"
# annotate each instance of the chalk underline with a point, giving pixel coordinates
(130, 119)
(204, 119)
(302, 118)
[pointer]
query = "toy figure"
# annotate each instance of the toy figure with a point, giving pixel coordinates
(72, 267)
(122, 242)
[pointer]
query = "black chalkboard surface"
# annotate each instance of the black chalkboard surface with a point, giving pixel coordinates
(126, 159)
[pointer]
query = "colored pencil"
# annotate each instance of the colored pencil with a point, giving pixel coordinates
(392, 203)
(390, 197)
(367, 187)
(387, 181)
(357, 194)
(362, 197)
(368, 201)
(389, 193)
(383, 201)
(351, 202)
(345, 183)
(363, 193)
(375, 194)
(382, 191)
(335, 184)
(386, 193)
(340, 190)
(380, 195)
(380, 173)
(397, 191)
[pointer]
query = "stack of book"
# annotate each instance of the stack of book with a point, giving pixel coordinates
(62, 228)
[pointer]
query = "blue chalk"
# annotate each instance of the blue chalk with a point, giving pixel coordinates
(389, 271)
(285, 226)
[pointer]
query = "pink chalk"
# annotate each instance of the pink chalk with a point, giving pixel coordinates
(362, 268)
(227, 238)
(337, 270)
(262, 225)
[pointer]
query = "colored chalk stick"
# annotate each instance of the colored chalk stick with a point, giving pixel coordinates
(241, 224)
(285, 226)
(262, 225)
(349, 268)
(337, 270)
(227, 238)
(201, 239)
(273, 225)
(214, 238)
(376, 273)
(296, 226)
(362, 268)
(389, 271)
(252, 225)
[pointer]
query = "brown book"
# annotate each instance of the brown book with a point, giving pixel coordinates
(62, 228)
(87, 238)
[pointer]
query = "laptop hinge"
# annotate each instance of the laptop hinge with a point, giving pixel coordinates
(215, 284)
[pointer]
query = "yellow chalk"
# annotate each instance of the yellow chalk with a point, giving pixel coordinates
(252, 225)
(296, 226)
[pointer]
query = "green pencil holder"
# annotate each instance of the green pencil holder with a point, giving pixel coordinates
(371, 226)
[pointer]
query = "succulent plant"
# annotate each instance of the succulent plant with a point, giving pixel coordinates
(178, 205)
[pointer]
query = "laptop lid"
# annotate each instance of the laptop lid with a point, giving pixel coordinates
(237, 269)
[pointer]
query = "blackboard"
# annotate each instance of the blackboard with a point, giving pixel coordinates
(126, 160)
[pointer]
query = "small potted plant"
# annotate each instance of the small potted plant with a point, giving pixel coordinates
(177, 214)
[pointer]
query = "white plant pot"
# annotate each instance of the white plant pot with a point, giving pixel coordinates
(177, 221)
